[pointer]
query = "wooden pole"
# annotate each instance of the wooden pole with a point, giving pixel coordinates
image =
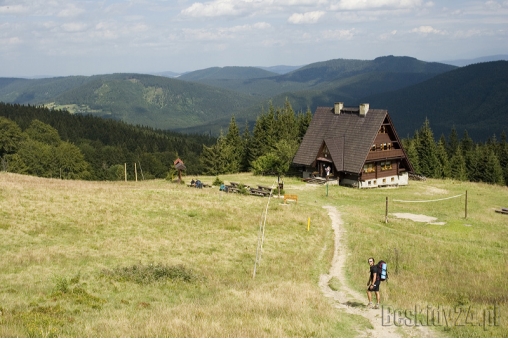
(125, 170)
(465, 210)
(136, 172)
(386, 211)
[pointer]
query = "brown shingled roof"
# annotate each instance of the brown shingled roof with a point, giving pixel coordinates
(348, 137)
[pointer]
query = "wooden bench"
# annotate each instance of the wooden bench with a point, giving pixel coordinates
(259, 192)
(292, 197)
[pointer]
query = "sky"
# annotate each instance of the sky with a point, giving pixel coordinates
(86, 37)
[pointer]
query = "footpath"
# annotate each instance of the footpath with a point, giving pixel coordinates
(353, 302)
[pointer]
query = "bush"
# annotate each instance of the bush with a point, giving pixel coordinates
(217, 182)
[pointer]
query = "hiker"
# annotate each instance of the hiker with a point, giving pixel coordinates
(328, 169)
(373, 284)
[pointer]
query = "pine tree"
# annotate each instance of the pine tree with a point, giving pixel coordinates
(410, 146)
(490, 170)
(442, 155)
(466, 143)
(427, 153)
(453, 142)
(303, 123)
(472, 158)
(235, 144)
(246, 139)
(458, 170)
(503, 157)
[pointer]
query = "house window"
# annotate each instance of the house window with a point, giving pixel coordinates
(369, 168)
(393, 179)
(375, 182)
(382, 130)
(386, 165)
(373, 148)
(385, 147)
(389, 145)
(370, 183)
(384, 181)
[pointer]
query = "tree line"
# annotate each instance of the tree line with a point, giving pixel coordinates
(458, 158)
(268, 149)
(53, 144)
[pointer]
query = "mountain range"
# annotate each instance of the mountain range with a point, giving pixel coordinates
(474, 97)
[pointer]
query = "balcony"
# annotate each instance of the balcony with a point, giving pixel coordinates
(388, 154)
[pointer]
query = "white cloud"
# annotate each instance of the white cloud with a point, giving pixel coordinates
(13, 9)
(374, 4)
(305, 18)
(70, 11)
(222, 32)
(338, 34)
(74, 27)
(426, 30)
(212, 9)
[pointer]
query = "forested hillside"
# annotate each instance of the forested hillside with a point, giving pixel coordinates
(54, 143)
(472, 98)
(159, 102)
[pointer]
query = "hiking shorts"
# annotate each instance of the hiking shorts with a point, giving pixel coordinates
(375, 288)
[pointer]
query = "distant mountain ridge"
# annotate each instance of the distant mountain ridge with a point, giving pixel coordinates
(466, 62)
(204, 100)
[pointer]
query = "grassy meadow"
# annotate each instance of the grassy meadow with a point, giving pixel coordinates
(158, 259)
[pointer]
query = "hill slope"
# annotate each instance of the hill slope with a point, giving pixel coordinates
(472, 97)
(134, 98)
(227, 73)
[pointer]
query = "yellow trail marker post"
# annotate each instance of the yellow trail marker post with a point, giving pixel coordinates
(308, 224)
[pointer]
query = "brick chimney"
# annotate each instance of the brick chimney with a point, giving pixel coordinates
(338, 107)
(364, 108)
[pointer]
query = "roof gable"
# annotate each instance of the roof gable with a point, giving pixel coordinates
(348, 136)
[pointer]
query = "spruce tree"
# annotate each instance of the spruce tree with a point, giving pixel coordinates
(412, 153)
(235, 144)
(442, 155)
(453, 142)
(458, 170)
(427, 153)
(246, 139)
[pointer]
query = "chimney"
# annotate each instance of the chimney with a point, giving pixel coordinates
(364, 108)
(338, 107)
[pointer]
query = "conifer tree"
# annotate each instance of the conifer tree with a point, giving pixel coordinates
(472, 158)
(410, 146)
(235, 144)
(442, 155)
(427, 153)
(503, 156)
(466, 143)
(458, 170)
(453, 142)
(246, 140)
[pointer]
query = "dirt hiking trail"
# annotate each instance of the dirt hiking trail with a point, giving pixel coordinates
(354, 302)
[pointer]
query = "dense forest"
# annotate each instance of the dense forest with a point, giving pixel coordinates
(458, 158)
(56, 144)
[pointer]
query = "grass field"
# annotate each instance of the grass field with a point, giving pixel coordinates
(153, 258)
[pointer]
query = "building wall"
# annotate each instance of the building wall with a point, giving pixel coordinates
(391, 180)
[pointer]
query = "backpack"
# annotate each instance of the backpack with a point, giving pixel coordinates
(382, 269)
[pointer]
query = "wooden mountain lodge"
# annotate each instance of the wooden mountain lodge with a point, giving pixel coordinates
(358, 145)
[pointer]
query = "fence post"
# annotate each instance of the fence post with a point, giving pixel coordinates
(386, 211)
(465, 209)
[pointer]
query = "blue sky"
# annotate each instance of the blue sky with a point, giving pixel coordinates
(85, 37)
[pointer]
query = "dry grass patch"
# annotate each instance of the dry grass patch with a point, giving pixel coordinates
(160, 259)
